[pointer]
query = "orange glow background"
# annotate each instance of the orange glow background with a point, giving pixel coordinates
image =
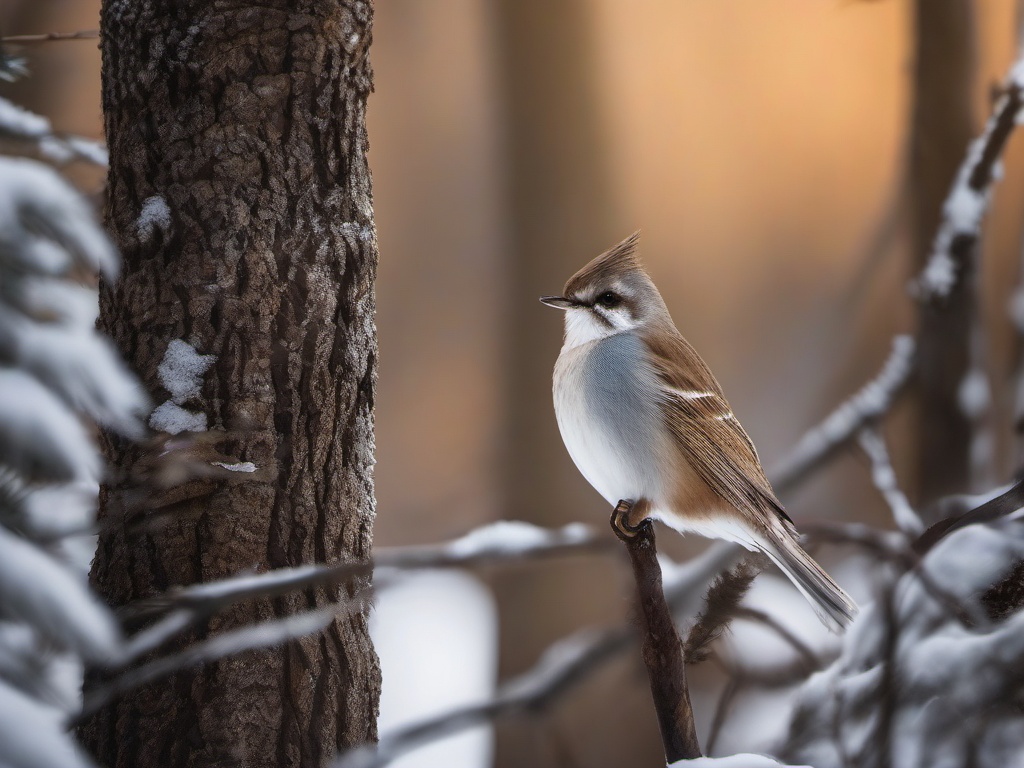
(760, 148)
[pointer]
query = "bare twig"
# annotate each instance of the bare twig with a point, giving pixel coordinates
(84, 34)
(870, 403)
(662, 648)
(1001, 506)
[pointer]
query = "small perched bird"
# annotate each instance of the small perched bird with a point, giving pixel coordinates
(647, 424)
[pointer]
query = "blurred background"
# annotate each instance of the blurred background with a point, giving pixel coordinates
(770, 154)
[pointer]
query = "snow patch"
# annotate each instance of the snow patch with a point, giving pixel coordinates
(243, 466)
(154, 215)
(181, 371)
(513, 536)
(172, 419)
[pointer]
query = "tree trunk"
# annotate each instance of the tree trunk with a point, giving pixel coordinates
(239, 195)
(941, 129)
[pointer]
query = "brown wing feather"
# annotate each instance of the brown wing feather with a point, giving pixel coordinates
(712, 439)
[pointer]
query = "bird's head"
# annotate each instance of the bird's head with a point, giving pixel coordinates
(612, 294)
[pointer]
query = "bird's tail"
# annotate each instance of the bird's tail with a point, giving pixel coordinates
(833, 606)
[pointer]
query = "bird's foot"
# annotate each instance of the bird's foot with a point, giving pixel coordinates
(623, 516)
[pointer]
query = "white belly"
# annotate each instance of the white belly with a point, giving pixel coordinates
(609, 419)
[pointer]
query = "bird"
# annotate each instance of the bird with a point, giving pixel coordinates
(648, 426)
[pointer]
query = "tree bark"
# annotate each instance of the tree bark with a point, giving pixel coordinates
(941, 129)
(240, 128)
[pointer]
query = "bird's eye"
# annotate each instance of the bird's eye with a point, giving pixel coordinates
(608, 300)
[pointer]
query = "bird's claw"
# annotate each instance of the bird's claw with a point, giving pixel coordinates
(620, 521)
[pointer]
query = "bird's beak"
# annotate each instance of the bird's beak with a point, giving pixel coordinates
(558, 302)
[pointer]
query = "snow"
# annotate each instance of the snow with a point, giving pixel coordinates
(243, 466)
(974, 395)
(39, 436)
(964, 208)
(435, 633)
(155, 215)
(172, 418)
(33, 735)
(37, 589)
(948, 670)
(182, 369)
(34, 199)
(515, 536)
(20, 123)
(181, 373)
(745, 760)
(79, 365)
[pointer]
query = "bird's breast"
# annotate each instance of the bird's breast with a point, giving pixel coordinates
(609, 417)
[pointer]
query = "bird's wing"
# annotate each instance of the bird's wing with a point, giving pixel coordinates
(706, 430)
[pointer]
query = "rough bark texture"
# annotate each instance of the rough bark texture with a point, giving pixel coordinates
(249, 122)
(941, 129)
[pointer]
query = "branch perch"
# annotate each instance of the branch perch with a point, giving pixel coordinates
(662, 648)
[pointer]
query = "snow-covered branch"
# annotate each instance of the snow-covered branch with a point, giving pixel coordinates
(503, 541)
(942, 692)
(55, 370)
(884, 477)
(264, 635)
(867, 405)
(18, 124)
(968, 200)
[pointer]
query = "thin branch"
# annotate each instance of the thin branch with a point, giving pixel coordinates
(884, 477)
(729, 693)
(561, 667)
(1001, 506)
(262, 635)
(489, 545)
(662, 648)
(84, 34)
(869, 404)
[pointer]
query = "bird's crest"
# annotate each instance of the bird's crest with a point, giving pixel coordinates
(615, 261)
